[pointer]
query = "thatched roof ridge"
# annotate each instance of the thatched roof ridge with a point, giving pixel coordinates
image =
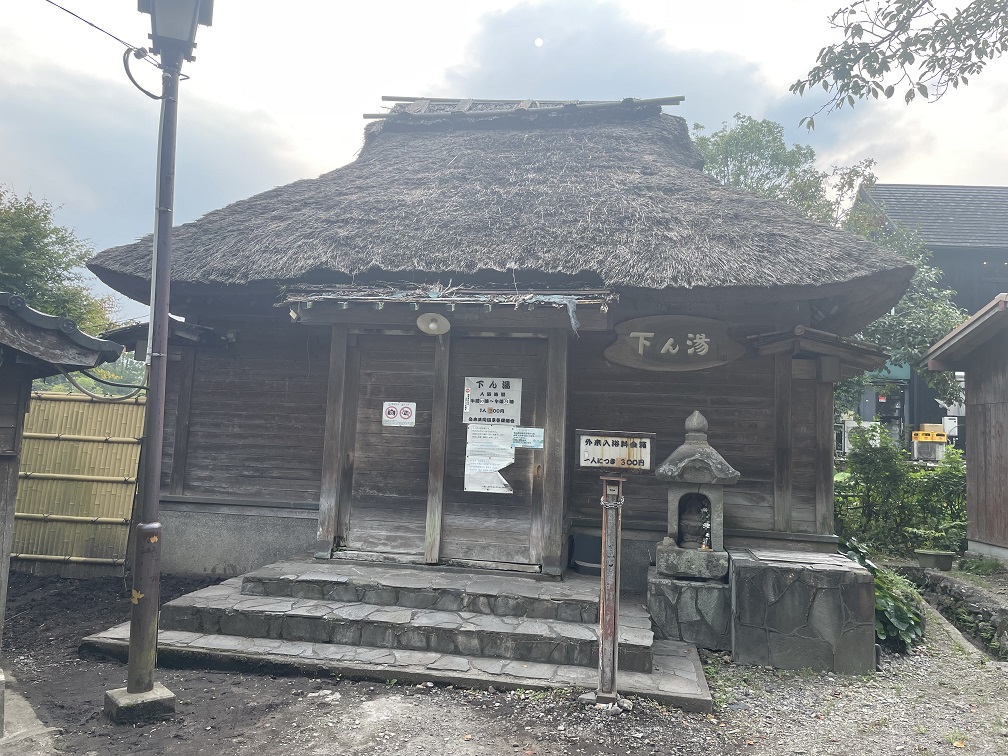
(607, 196)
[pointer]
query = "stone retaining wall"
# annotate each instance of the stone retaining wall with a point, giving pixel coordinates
(973, 610)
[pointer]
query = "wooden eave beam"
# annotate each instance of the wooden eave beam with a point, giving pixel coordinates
(948, 353)
(541, 316)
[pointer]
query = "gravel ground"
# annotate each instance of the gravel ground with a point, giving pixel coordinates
(945, 697)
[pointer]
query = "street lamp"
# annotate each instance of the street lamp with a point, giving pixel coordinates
(173, 25)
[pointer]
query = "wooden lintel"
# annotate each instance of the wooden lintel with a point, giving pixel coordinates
(555, 447)
(782, 443)
(180, 447)
(332, 454)
(590, 317)
(825, 441)
(438, 446)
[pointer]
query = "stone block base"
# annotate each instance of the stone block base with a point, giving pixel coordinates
(673, 561)
(689, 610)
(802, 610)
(127, 708)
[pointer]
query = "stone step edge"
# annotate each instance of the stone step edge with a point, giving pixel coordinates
(114, 643)
(194, 601)
(385, 593)
(305, 627)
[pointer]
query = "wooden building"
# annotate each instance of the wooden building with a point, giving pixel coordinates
(573, 251)
(979, 347)
(32, 345)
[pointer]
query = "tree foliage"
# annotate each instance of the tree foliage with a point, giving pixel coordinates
(905, 46)
(41, 261)
(753, 155)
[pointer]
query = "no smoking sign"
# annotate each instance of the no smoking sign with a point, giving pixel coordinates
(399, 413)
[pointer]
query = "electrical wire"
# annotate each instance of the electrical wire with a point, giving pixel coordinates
(107, 382)
(100, 397)
(126, 57)
(146, 56)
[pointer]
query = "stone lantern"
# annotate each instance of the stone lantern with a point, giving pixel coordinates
(696, 475)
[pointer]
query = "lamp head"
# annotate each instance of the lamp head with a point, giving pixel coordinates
(174, 22)
(433, 324)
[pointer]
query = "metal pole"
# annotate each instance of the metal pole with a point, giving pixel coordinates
(612, 503)
(147, 553)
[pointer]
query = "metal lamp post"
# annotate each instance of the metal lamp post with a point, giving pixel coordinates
(173, 34)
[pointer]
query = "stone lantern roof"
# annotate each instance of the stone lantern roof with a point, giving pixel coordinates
(696, 461)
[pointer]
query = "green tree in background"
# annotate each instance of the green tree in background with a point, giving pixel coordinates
(753, 155)
(41, 262)
(907, 47)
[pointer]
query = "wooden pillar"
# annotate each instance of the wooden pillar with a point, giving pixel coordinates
(15, 393)
(438, 445)
(555, 448)
(825, 442)
(183, 409)
(782, 443)
(332, 454)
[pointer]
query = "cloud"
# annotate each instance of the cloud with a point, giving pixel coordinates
(89, 147)
(595, 51)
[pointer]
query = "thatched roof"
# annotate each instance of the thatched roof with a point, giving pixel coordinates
(605, 194)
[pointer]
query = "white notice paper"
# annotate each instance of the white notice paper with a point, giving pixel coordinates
(488, 450)
(495, 401)
(527, 438)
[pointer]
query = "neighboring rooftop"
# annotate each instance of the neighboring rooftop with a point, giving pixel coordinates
(946, 216)
(49, 342)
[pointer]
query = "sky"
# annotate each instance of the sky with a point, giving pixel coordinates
(278, 90)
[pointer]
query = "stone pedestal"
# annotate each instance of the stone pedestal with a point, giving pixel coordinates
(796, 610)
(123, 707)
(703, 564)
(693, 611)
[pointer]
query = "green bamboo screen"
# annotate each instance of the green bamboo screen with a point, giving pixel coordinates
(78, 477)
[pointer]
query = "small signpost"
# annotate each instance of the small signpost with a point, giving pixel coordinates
(615, 453)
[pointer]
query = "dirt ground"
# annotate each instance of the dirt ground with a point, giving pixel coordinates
(244, 712)
(939, 699)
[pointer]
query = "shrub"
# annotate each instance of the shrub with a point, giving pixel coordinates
(899, 608)
(884, 499)
(982, 565)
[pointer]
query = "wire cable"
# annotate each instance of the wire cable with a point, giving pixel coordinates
(146, 56)
(100, 397)
(126, 56)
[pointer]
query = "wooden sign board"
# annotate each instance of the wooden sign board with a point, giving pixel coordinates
(673, 343)
(615, 450)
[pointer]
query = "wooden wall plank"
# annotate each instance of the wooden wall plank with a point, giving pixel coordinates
(332, 455)
(438, 448)
(555, 447)
(348, 448)
(824, 447)
(782, 443)
(388, 495)
(183, 406)
(17, 377)
(737, 399)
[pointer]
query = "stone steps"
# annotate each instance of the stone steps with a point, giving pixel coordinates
(229, 609)
(574, 600)
(677, 679)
